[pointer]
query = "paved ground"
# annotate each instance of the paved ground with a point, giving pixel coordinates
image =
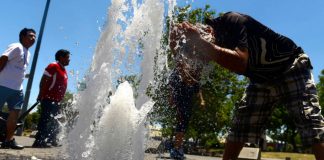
(58, 153)
(188, 157)
(30, 153)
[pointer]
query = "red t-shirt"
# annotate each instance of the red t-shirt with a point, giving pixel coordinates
(57, 83)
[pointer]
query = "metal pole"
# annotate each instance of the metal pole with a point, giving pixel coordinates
(33, 66)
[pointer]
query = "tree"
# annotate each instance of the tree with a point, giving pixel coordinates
(31, 120)
(282, 126)
(69, 112)
(221, 89)
(320, 89)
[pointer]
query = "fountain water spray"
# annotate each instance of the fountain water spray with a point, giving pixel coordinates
(111, 127)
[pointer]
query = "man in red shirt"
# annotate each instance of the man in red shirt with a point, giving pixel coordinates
(52, 90)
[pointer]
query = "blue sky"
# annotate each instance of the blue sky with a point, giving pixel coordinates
(75, 25)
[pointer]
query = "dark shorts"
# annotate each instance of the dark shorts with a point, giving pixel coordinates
(14, 98)
(182, 95)
(48, 125)
(296, 91)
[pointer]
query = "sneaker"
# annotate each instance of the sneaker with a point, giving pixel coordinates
(11, 144)
(177, 154)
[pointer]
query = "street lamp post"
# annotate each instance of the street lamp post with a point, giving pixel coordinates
(33, 66)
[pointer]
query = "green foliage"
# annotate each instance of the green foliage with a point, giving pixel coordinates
(70, 113)
(282, 127)
(212, 142)
(5, 108)
(320, 89)
(270, 149)
(200, 15)
(31, 120)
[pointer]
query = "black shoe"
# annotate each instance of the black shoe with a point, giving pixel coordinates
(40, 145)
(11, 144)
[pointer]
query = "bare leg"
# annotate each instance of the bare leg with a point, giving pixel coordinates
(318, 150)
(178, 140)
(232, 150)
(11, 124)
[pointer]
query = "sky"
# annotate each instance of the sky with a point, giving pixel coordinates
(76, 25)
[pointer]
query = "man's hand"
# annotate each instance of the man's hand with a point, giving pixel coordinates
(39, 98)
(3, 62)
(201, 99)
(202, 104)
(183, 34)
(195, 42)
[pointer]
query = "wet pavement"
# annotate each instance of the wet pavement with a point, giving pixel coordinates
(59, 153)
(29, 153)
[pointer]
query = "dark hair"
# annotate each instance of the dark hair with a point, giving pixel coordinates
(61, 53)
(24, 32)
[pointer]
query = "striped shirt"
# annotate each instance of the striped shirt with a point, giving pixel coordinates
(270, 54)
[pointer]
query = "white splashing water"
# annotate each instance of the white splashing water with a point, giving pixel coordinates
(112, 127)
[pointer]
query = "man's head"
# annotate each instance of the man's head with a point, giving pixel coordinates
(206, 32)
(187, 58)
(27, 37)
(63, 57)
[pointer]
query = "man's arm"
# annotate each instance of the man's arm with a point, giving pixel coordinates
(233, 60)
(3, 62)
(201, 99)
(43, 87)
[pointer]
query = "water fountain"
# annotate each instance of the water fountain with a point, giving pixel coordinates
(111, 127)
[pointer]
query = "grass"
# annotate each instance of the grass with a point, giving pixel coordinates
(27, 132)
(279, 155)
(283, 155)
